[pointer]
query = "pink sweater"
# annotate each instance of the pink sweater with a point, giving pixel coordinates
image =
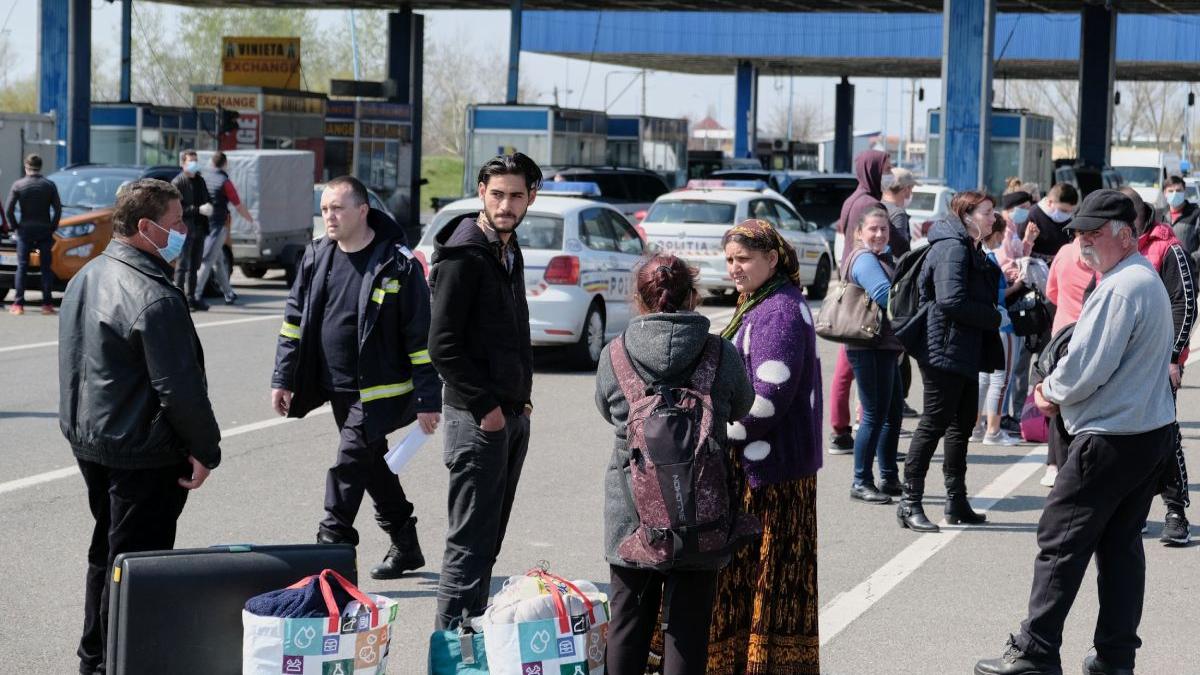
(1069, 278)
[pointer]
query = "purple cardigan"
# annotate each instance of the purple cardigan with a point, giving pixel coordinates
(780, 440)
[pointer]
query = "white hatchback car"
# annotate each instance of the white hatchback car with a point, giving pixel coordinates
(691, 222)
(580, 257)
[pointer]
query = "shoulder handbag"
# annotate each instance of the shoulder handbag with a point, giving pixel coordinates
(849, 315)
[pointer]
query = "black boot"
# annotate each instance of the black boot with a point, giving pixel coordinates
(910, 514)
(1016, 662)
(404, 555)
(325, 536)
(1094, 665)
(891, 487)
(958, 509)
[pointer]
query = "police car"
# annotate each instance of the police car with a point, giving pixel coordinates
(691, 222)
(580, 256)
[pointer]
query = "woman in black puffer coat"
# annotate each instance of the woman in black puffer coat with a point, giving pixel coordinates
(959, 285)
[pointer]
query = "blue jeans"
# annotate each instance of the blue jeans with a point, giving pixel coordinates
(877, 373)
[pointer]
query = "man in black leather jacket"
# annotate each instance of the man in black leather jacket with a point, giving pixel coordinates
(133, 398)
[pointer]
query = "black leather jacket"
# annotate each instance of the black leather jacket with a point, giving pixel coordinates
(132, 389)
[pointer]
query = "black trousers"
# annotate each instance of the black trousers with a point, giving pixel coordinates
(25, 246)
(634, 599)
(950, 407)
(1058, 442)
(189, 261)
(135, 510)
(905, 374)
(485, 468)
(1097, 506)
(359, 468)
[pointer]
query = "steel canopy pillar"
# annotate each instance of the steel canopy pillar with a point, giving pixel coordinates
(745, 114)
(514, 51)
(53, 33)
(399, 52)
(126, 50)
(405, 65)
(969, 29)
(843, 127)
(79, 82)
(1097, 68)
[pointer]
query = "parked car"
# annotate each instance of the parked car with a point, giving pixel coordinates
(702, 163)
(929, 203)
(580, 255)
(691, 222)
(776, 180)
(1088, 179)
(88, 193)
(819, 197)
(631, 191)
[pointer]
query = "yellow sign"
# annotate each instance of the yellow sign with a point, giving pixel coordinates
(229, 101)
(261, 61)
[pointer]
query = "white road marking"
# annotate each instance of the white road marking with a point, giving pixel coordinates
(67, 471)
(847, 607)
(209, 324)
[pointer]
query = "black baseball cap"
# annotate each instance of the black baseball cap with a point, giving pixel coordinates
(1101, 206)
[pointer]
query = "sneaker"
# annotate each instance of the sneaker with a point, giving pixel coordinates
(909, 412)
(1049, 477)
(16, 310)
(48, 310)
(1010, 424)
(1000, 438)
(1176, 531)
(977, 434)
(841, 444)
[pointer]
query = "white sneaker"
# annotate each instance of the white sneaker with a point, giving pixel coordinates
(1048, 477)
(976, 435)
(1000, 438)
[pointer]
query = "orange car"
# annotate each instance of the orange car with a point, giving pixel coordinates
(88, 192)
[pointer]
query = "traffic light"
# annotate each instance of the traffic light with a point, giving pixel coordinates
(227, 120)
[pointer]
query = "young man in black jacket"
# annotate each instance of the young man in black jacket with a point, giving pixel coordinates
(479, 341)
(354, 332)
(133, 399)
(194, 192)
(41, 209)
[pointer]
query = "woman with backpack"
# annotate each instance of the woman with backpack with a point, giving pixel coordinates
(957, 288)
(876, 368)
(765, 619)
(667, 343)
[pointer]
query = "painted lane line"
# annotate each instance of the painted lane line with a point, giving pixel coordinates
(209, 324)
(68, 471)
(849, 606)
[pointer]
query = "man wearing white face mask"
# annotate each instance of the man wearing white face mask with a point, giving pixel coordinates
(194, 195)
(133, 399)
(1183, 217)
(1052, 215)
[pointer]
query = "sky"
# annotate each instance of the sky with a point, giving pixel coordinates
(667, 94)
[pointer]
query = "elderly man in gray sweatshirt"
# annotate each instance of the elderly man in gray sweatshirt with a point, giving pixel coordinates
(1114, 394)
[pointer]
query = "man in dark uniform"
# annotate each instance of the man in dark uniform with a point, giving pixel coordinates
(354, 332)
(41, 209)
(191, 187)
(1113, 393)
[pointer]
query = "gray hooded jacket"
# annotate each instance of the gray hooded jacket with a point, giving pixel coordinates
(662, 348)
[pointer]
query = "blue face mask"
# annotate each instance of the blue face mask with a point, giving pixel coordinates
(174, 244)
(192, 167)
(1175, 199)
(1020, 216)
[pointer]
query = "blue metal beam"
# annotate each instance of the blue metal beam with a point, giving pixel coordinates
(843, 127)
(79, 82)
(1097, 68)
(745, 133)
(53, 23)
(967, 45)
(514, 51)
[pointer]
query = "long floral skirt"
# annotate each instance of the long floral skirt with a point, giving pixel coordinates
(765, 616)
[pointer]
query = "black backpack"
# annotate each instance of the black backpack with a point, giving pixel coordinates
(905, 311)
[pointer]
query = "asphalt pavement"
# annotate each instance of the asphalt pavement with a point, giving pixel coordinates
(892, 601)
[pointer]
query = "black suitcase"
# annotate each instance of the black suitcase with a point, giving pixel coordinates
(180, 612)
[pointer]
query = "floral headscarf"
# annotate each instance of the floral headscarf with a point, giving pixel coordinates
(760, 235)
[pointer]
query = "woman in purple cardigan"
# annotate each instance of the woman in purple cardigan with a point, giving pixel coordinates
(765, 618)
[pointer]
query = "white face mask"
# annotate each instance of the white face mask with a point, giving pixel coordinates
(1058, 216)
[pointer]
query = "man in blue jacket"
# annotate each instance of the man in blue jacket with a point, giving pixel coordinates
(354, 334)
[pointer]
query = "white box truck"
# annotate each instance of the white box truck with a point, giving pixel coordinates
(277, 187)
(1145, 170)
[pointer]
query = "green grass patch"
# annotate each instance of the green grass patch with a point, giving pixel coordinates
(444, 174)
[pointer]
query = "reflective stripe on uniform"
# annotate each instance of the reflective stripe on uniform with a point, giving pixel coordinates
(391, 286)
(290, 330)
(385, 391)
(419, 358)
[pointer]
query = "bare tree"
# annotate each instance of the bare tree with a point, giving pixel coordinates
(16, 94)
(1057, 99)
(807, 121)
